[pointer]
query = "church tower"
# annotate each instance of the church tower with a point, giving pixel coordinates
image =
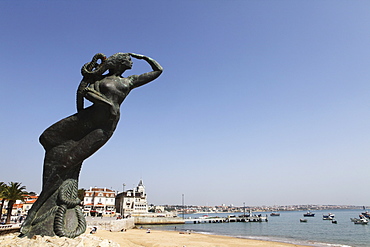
(141, 188)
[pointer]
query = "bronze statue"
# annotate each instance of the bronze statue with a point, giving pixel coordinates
(70, 141)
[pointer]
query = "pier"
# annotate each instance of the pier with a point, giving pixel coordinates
(206, 220)
(229, 219)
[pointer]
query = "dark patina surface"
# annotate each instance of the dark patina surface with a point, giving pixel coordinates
(70, 141)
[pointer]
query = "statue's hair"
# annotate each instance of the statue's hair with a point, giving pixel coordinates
(116, 58)
(93, 68)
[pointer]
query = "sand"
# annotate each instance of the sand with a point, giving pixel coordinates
(140, 237)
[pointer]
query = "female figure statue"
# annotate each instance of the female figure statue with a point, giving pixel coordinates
(70, 141)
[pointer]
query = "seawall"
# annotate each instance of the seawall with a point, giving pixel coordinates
(158, 220)
(111, 225)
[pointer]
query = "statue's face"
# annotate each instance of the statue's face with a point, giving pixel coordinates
(128, 63)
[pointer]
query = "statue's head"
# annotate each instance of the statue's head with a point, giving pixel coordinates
(116, 64)
(119, 61)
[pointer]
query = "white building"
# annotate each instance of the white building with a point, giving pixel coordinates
(99, 202)
(132, 202)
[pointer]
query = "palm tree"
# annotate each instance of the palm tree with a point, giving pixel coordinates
(13, 192)
(2, 189)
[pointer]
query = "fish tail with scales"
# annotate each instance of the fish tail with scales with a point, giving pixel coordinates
(68, 200)
(44, 216)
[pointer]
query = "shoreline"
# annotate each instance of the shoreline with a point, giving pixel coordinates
(140, 237)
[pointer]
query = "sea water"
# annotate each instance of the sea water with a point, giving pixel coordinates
(288, 228)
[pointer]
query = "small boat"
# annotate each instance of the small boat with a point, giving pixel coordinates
(303, 220)
(366, 214)
(309, 214)
(328, 216)
(361, 221)
(275, 214)
(334, 221)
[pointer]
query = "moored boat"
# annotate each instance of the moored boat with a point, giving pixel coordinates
(361, 221)
(309, 214)
(366, 214)
(328, 216)
(275, 214)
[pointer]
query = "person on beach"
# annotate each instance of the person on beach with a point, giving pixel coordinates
(70, 141)
(93, 230)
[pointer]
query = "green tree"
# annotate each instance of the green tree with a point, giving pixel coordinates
(2, 189)
(13, 192)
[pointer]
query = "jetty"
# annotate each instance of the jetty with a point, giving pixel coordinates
(228, 219)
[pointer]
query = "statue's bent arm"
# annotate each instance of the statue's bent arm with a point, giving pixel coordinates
(139, 80)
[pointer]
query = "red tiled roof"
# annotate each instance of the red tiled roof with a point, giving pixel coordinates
(30, 202)
(27, 196)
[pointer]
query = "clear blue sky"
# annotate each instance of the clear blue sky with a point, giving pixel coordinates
(262, 102)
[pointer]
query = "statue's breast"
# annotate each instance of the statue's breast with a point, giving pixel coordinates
(113, 87)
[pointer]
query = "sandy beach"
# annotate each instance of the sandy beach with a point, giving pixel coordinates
(140, 237)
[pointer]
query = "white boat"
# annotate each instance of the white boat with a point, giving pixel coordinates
(309, 214)
(328, 216)
(361, 221)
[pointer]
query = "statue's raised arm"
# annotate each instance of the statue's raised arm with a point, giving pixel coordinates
(139, 80)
